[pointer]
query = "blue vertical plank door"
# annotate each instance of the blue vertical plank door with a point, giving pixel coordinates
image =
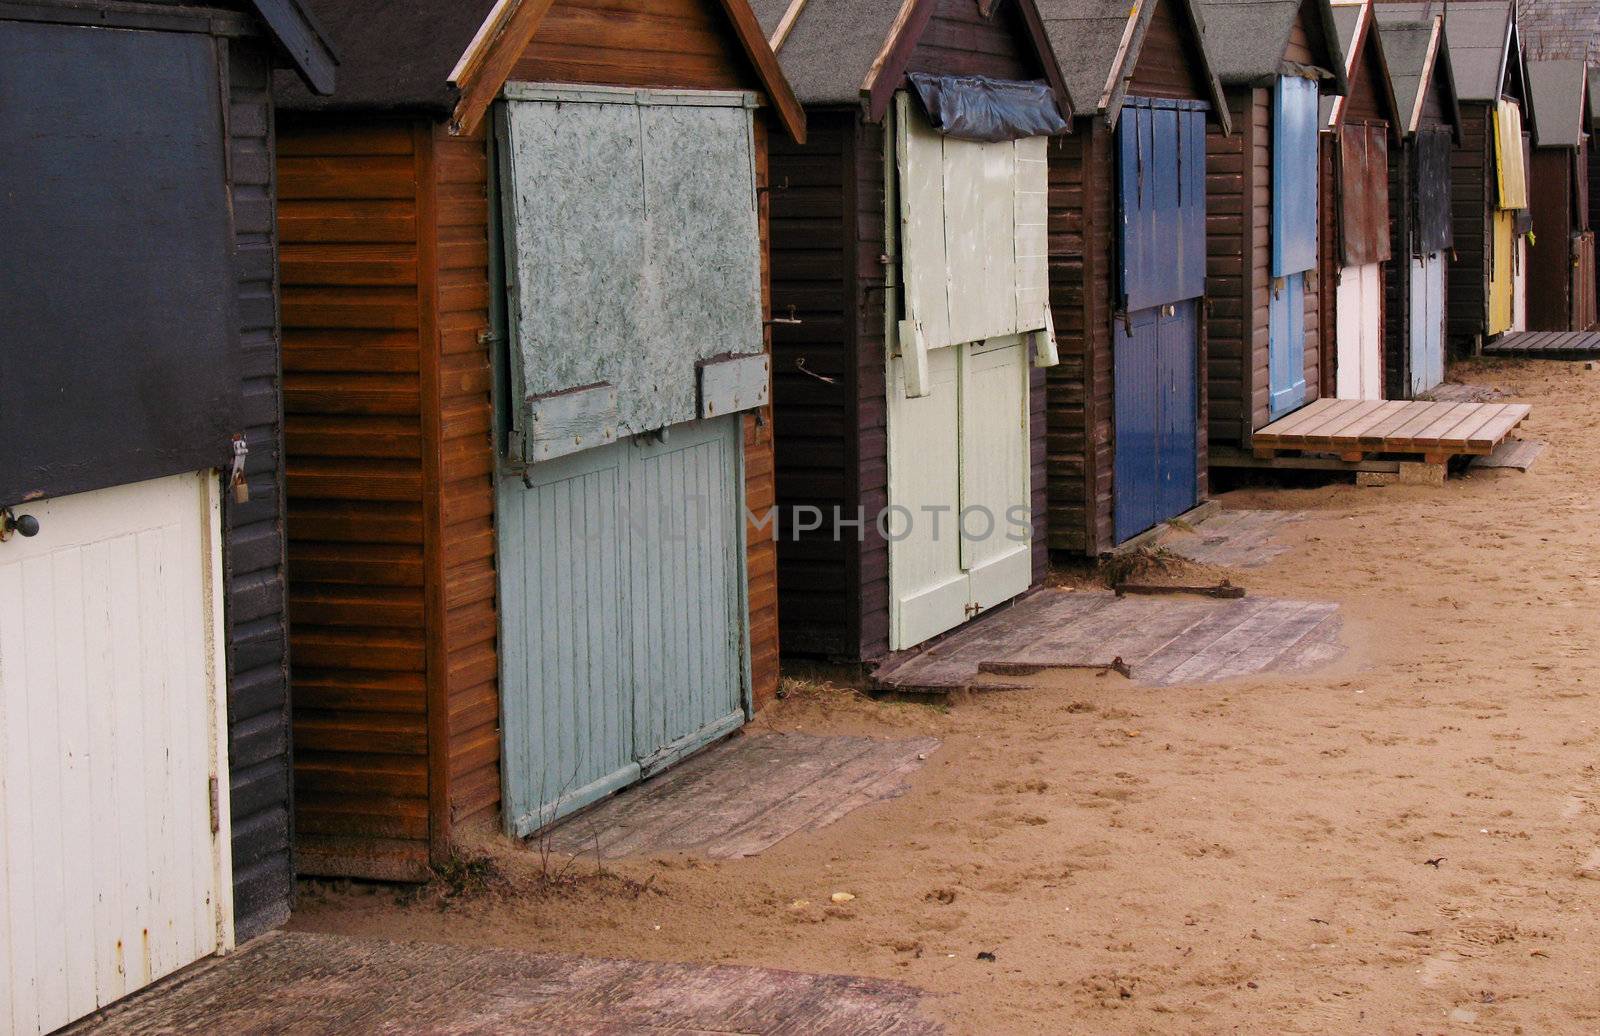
(621, 598)
(1156, 340)
(1427, 323)
(1294, 236)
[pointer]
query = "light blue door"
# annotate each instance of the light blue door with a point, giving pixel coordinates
(1427, 323)
(1294, 236)
(623, 638)
(1287, 338)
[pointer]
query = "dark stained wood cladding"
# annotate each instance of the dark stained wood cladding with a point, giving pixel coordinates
(814, 410)
(258, 668)
(1397, 275)
(1237, 257)
(959, 40)
(672, 44)
(1471, 179)
(1169, 64)
(761, 552)
(1365, 102)
(1329, 235)
(349, 222)
(870, 470)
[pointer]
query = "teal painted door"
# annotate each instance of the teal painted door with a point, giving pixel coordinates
(622, 615)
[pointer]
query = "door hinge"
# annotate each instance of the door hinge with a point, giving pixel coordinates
(216, 806)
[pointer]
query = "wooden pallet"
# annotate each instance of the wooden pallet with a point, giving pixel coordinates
(1546, 345)
(1355, 430)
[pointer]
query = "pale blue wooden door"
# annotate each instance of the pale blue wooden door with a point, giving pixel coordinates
(1294, 236)
(621, 615)
(1427, 323)
(1286, 360)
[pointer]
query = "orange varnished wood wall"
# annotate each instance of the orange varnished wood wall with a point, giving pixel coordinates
(673, 44)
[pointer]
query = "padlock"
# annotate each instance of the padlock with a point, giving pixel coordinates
(241, 488)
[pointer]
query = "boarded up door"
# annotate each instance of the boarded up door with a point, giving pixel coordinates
(113, 872)
(1426, 333)
(1582, 292)
(621, 601)
(1294, 236)
(1157, 399)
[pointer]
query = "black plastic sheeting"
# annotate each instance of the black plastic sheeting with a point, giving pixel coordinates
(988, 110)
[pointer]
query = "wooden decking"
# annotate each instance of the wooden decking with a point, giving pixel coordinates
(1355, 430)
(1546, 345)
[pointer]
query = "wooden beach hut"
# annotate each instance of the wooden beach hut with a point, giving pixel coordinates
(1419, 190)
(523, 268)
(1561, 276)
(1594, 171)
(911, 384)
(1127, 413)
(1489, 201)
(1358, 132)
(1267, 332)
(144, 724)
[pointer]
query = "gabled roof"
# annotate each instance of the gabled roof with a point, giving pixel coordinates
(1246, 39)
(1481, 34)
(451, 57)
(1358, 32)
(1100, 42)
(1558, 91)
(302, 39)
(845, 52)
(1417, 52)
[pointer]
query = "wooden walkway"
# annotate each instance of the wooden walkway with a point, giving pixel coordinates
(1356, 429)
(1546, 345)
(745, 795)
(1158, 641)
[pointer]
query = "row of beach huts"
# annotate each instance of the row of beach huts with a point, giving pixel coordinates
(435, 416)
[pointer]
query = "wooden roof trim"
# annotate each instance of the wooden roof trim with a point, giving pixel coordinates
(487, 62)
(298, 33)
(786, 25)
(1367, 32)
(1429, 59)
(484, 66)
(779, 93)
(883, 78)
(1132, 46)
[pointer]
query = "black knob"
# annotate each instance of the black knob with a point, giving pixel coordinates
(27, 524)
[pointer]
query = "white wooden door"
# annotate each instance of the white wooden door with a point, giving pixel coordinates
(114, 860)
(1360, 332)
(995, 546)
(1519, 285)
(958, 485)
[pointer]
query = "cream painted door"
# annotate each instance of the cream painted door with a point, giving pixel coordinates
(115, 867)
(1360, 332)
(1519, 285)
(996, 519)
(959, 518)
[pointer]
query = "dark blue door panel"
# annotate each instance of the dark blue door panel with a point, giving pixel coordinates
(1161, 201)
(1180, 402)
(1157, 411)
(1286, 357)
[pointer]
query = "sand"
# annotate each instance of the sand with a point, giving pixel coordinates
(1408, 843)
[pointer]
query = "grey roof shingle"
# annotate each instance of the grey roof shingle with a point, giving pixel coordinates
(1480, 31)
(831, 49)
(1245, 39)
(1087, 36)
(1556, 87)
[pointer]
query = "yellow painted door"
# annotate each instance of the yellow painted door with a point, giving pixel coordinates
(1500, 276)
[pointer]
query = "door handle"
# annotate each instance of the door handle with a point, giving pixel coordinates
(10, 523)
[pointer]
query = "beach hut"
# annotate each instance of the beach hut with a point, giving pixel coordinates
(1267, 332)
(1489, 187)
(144, 726)
(1594, 171)
(523, 265)
(1419, 192)
(1561, 277)
(1358, 132)
(1127, 413)
(908, 242)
